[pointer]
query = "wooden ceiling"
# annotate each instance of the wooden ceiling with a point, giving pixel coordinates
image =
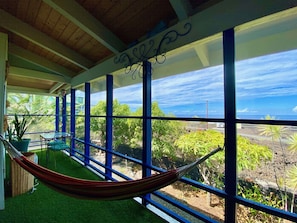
(52, 42)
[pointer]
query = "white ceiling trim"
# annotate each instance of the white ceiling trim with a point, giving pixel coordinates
(18, 71)
(56, 87)
(26, 90)
(202, 53)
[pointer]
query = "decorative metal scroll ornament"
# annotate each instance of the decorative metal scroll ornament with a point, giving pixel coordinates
(145, 51)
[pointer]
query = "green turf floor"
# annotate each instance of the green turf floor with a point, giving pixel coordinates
(45, 205)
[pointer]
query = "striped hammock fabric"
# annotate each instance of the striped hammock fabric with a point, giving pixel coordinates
(100, 190)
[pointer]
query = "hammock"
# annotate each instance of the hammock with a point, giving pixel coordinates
(100, 190)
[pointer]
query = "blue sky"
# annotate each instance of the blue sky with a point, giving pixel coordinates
(264, 85)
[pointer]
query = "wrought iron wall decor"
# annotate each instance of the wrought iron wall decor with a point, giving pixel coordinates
(133, 61)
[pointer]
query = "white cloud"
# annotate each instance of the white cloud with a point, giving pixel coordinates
(272, 75)
(243, 110)
(258, 78)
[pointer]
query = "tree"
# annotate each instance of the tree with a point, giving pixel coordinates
(41, 107)
(291, 177)
(120, 125)
(164, 132)
(293, 143)
(198, 143)
(128, 131)
(276, 133)
(292, 183)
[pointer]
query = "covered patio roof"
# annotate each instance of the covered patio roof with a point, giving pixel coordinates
(55, 45)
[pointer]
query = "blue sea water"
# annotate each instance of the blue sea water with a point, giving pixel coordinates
(276, 117)
(244, 116)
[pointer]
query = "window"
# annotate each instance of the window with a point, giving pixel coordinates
(266, 111)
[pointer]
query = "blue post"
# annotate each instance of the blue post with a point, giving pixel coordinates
(147, 122)
(57, 128)
(87, 121)
(109, 127)
(72, 122)
(64, 115)
(230, 125)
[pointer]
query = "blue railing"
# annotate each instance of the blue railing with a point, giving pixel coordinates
(187, 212)
(167, 199)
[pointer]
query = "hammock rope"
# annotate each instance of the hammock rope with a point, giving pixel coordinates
(100, 190)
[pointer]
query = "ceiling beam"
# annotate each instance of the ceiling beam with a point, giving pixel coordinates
(229, 13)
(84, 20)
(181, 8)
(39, 61)
(26, 90)
(39, 38)
(202, 53)
(56, 87)
(18, 71)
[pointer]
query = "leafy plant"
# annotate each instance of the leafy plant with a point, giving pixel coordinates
(253, 192)
(276, 132)
(10, 133)
(20, 128)
(196, 144)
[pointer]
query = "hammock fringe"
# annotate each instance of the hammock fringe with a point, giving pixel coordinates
(100, 190)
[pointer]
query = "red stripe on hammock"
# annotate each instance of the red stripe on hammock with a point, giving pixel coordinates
(98, 189)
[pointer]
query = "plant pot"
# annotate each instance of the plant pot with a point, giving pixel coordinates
(21, 146)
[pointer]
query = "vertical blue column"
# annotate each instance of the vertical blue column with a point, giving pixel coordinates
(230, 125)
(72, 122)
(64, 115)
(109, 127)
(147, 122)
(87, 121)
(57, 128)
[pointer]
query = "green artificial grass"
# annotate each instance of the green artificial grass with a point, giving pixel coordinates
(46, 205)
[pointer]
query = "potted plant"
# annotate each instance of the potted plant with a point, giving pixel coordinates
(15, 134)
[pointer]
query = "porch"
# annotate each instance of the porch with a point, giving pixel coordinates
(43, 204)
(90, 56)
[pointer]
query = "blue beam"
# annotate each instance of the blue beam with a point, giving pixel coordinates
(64, 115)
(87, 121)
(57, 129)
(230, 125)
(72, 121)
(147, 122)
(109, 126)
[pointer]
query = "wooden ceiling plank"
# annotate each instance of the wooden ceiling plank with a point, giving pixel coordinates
(26, 31)
(135, 27)
(42, 16)
(37, 74)
(21, 9)
(60, 27)
(52, 57)
(181, 8)
(33, 10)
(78, 38)
(126, 11)
(78, 15)
(38, 60)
